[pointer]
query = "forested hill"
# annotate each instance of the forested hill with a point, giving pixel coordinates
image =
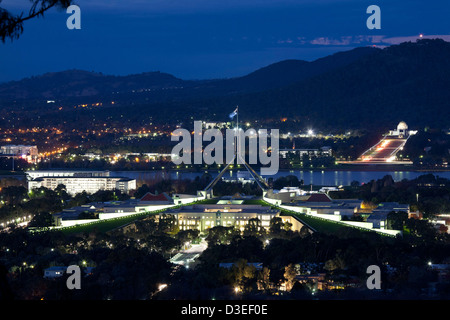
(360, 88)
(158, 86)
(407, 82)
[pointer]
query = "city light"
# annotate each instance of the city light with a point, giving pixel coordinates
(162, 286)
(100, 196)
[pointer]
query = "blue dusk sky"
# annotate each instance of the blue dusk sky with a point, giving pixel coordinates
(201, 39)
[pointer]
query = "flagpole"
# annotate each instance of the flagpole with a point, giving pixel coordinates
(237, 133)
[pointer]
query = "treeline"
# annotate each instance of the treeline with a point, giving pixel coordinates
(19, 205)
(128, 264)
(133, 264)
(343, 258)
(428, 194)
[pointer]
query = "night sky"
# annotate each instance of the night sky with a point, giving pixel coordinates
(199, 39)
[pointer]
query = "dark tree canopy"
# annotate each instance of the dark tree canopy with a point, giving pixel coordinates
(11, 26)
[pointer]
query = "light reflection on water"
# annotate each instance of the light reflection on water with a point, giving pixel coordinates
(324, 178)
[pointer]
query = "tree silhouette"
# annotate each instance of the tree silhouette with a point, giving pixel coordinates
(42, 220)
(11, 26)
(289, 274)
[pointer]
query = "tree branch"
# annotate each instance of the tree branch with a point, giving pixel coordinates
(12, 26)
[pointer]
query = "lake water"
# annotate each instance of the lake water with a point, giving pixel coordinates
(322, 178)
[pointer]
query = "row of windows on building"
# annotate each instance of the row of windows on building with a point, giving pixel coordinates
(209, 223)
(260, 217)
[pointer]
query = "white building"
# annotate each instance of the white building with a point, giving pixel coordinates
(322, 152)
(29, 153)
(219, 125)
(33, 174)
(402, 131)
(79, 181)
(317, 202)
(293, 191)
(205, 216)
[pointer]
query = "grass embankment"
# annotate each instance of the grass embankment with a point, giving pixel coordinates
(110, 224)
(318, 224)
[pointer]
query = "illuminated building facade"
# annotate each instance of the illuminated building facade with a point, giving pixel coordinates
(34, 174)
(77, 182)
(29, 153)
(205, 216)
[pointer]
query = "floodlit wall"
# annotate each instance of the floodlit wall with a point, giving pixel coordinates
(275, 202)
(359, 224)
(71, 223)
(152, 208)
(389, 232)
(185, 200)
(331, 217)
(106, 216)
(297, 225)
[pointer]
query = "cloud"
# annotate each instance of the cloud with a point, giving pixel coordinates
(378, 40)
(326, 41)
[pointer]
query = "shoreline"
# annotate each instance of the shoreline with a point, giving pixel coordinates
(357, 168)
(379, 168)
(368, 168)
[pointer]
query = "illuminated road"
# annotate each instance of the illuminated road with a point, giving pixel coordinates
(385, 150)
(188, 256)
(393, 162)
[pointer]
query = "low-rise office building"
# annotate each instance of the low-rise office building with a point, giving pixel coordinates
(300, 153)
(29, 153)
(76, 185)
(379, 215)
(205, 216)
(320, 203)
(113, 209)
(226, 212)
(34, 174)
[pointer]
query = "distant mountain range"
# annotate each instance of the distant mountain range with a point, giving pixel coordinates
(79, 83)
(362, 88)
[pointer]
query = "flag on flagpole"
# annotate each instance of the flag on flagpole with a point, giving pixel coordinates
(234, 113)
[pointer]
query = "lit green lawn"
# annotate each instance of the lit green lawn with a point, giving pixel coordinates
(318, 224)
